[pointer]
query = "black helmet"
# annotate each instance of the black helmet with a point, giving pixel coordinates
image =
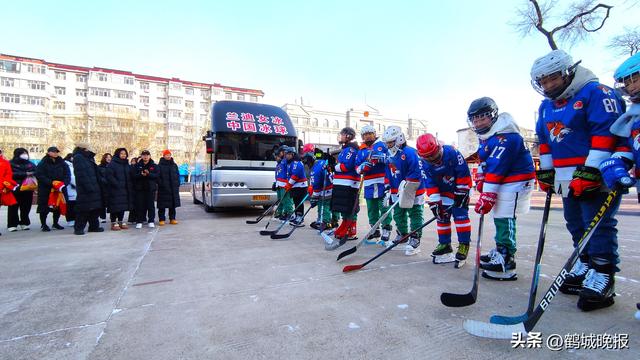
(481, 106)
(349, 132)
(289, 149)
(281, 149)
(308, 158)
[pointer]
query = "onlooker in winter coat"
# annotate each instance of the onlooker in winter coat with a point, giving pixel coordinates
(145, 176)
(132, 213)
(52, 173)
(7, 184)
(24, 175)
(89, 200)
(168, 188)
(119, 188)
(102, 168)
(72, 193)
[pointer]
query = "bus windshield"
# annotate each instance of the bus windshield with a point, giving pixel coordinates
(245, 146)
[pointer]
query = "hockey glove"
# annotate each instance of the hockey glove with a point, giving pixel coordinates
(546, 179)
(288, 187)
(486, 202)
(364, 167)
(586, 182)
(314, 201)
(613, 170)
(273, 187)
(331, 161)
(310, 190)
(57, 185)
(461, 198)
(438, 210)
(479, 181)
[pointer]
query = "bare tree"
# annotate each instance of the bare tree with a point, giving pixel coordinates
(627, 43)
(578, 20)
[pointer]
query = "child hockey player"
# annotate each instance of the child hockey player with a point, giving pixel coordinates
(506, 174)
(346, 185)
(447, 180)
(296, 185)
(322, 184)
(615, 171)
(285, 208)
(406, 167)
(573, 131)
(374, 176)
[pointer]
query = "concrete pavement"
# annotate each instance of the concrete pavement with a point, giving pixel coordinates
(212, 288)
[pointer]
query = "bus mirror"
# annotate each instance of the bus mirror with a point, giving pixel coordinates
(209, 143)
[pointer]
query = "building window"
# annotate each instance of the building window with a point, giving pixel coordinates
(175, 113)
(188, 90)
(162, 88)
(188, 104)
(253, 98)
(336, 124)
(80, 107)
(175, 100)
(10, 98)
(241, 97)
(128, 80)
(144, 100)
(227, 96)
(204, 106)
(61, 75)
(124, 94)
(144, 86)
(58, 105)
(9, 66)
(205, 94)
(36, 85)
(315, 122)
(203, 117)
(216, 92)
(102, 77)
(8, 82)
(325, 123)
(161, 114)
(81, 78)
(101, 92)
(32, 100)
(81, 92)
(162, 101)
(176, 86)
(188, 116)
(144, 113)
(36, 69)
(61, 90)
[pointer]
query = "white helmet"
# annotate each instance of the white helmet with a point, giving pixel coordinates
(557, 61)
(393, 133)
(367, 129)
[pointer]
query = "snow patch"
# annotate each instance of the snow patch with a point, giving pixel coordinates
(115, 311)
(354, 326)
(254, 298)
(403, 306)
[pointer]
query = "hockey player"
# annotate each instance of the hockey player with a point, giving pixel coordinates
(285, 208)
(615, 171)
(374, 175)
(448, 181)
(346, 183)
(573, 131)
(321, 182)
(506, 176)
(296, 185)
(406, 168)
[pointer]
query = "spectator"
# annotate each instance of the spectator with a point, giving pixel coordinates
(168, 188)
(132, 213)
(145, 181)
(72, 193)
(102, 168)
(24, 175)
(7, 184)
(119, 188)
(52, 174)
(89, 199)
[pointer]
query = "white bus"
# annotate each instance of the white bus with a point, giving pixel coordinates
(235, 166)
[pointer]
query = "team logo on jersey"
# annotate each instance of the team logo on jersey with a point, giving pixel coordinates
(578, 105)
(379, 148)
(604, 89)
(501, 139)
(557, 131)
(449, 180)
(403, 157)
(635, 135)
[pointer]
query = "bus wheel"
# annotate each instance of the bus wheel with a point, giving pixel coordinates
(193, 194)
(209, 209)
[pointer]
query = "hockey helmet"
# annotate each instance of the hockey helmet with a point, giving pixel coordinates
(429, 148)
(394, 138)
(556, 62)
(626, 73)
(367, 129)
(479, 108)
(308, 148)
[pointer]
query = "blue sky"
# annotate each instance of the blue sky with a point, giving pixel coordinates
(424, 59)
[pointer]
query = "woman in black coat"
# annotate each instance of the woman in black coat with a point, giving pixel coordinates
(102, 169)
(168, 188)
(51, 172)
(145, 182)
(119, 188)
(88, 185)
(18, 214)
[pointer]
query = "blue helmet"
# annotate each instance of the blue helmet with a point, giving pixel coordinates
(628, 69)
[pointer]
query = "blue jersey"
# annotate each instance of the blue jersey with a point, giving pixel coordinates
(321, 179)
(345, 169)
(506, 163)
(297, 176)
(575, 131)
(407, 165)
(281, 173)
(442, 180)
(374, 178)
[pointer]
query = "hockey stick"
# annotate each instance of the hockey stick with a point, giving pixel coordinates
(286, 235)
(499, 331)
(273, 216)
(460, 300)
(332, 244)
(277, 203)
(324, 196)
(373, 228)
(395, 243)
(510, 320)
(271, 232)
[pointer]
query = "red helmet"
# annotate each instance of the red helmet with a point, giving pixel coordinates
(429, 147)
(308, 148)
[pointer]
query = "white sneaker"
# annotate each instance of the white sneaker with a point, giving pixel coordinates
(410, 250)
(12, 229)
(139, 226)
(102, 221)
(152, 225)
(71, 223)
